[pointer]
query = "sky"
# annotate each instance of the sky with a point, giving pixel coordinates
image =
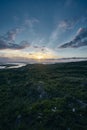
(43, 29)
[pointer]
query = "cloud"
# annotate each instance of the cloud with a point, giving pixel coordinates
(11, 34)
(41, 48)
(78, 41)
(7, 41)
(30, 22)
(61, 28)
(68, 24)
(54, 36)
(35, 46)
(65, 26)
(5, 45)
(38, 41)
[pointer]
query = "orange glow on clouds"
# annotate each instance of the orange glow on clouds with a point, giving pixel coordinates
(30, 55)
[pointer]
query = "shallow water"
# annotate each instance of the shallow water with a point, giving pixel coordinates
(14, 65)
(2, 67)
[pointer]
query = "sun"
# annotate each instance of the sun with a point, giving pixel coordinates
(39, 57)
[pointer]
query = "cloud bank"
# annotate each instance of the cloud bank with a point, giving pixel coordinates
(78, 41)
(7, 41)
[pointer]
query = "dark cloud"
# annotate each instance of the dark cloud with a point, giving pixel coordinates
(79, 40)
(38, 47)
(30, 53)
(41, 48)
(11, 34)
(35, 46)
(7, 41)
(5, 45)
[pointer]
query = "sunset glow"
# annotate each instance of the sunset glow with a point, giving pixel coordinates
(43, 30)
